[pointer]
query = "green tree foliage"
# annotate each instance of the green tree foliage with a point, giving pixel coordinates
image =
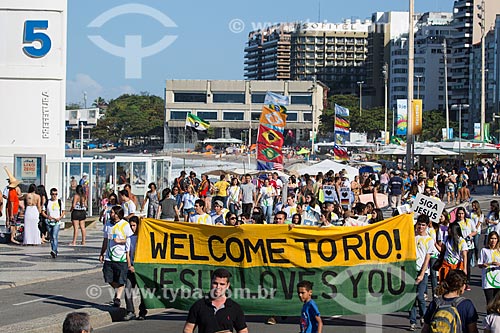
(432, 124)
(135, 116)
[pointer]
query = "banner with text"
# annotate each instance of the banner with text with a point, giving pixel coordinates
(369, 269)
(402, 117)
(416, 116)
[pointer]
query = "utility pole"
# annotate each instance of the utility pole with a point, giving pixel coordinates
(385, 72)
(481, 16)
(409, 108)
(360, 83)
(445, 55)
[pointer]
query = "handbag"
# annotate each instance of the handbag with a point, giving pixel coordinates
(437, 264)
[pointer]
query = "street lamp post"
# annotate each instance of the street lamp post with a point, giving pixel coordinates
(250, 124)
(459, 107)
(411, 61)
(313, 115)
(481, 16)
(445, 59)
(360, 84)
(385, 72)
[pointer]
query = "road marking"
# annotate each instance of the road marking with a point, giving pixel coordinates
(36, 300)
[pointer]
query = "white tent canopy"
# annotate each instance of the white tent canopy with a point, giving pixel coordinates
(222, 141)
(327, 165)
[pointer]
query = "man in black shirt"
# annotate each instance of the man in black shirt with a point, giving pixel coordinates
(216, 313)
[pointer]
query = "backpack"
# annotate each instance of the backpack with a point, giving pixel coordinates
(446, 318)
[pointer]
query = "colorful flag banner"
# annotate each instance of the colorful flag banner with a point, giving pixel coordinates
(276, 99)
(402, 119)
(341, 111)
(196, 123)
(270, 136)
(340, 153)
(342, 125)
(269, 154)
(273, 119)
(355, 270)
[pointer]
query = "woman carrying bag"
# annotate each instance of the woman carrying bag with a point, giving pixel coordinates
(453, 252)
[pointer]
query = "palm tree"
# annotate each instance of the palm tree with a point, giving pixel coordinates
(100, 103)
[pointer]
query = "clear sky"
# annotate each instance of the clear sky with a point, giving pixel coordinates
(202, 39)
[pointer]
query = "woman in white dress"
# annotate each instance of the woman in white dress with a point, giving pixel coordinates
(32, 211)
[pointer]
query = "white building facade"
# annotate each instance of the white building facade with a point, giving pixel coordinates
(33, 89)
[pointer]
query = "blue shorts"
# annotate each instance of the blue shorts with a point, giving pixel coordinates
(188, 211)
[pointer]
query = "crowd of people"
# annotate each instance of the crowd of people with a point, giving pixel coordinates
(446, 251)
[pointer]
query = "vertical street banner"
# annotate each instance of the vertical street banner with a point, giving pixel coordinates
(402, 116)
(416, 116)
(477, 131)
(270, 136)
(355, 270)
(341, 126)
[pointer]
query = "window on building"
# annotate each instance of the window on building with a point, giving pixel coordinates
(307, 116)
(233, 115)
(190, 97)
(258, 98)
(291, 116)
(178, 115)
(229, 98)
(255, 116)
(207, 115)
(301, 99)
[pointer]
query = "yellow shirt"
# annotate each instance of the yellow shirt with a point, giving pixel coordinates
(222, 187)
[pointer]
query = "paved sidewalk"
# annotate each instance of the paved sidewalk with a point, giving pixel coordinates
(21, 265)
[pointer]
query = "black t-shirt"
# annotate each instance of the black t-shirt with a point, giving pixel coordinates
(441, 181)
(203, 314)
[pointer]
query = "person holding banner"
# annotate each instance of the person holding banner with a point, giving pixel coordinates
(113, 252)
(216, 312)
(425, 247)
(489, 262)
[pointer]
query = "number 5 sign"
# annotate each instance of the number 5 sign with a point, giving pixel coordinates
(34, 31)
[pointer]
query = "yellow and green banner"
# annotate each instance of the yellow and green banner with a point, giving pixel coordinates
(369, 269)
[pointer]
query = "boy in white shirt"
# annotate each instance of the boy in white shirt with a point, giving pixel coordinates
(113, 252)
(53, 212)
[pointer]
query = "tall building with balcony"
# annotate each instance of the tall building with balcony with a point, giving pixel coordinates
(332, 53)
(466, 21)
(385, 28)
(267, 54)
(432, 29)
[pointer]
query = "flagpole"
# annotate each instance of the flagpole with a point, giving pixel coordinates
(184, 150)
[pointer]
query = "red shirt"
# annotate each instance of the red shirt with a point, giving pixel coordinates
(13, 199)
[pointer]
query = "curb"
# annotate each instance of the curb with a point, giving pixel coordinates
(99, 318)
(69, 275)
